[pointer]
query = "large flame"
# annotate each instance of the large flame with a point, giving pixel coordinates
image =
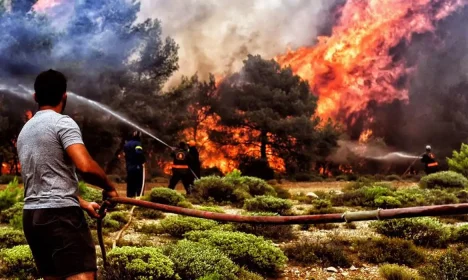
(354, 65)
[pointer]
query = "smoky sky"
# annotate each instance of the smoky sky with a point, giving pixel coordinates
(216, 35)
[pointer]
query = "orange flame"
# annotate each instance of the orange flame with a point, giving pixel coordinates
(354, 66)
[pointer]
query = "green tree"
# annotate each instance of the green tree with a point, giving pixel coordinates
(459, 160)
(276, 110)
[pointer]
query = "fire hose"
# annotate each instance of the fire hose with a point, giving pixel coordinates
(379, 214)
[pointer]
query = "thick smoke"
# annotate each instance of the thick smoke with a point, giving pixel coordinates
(216, 35)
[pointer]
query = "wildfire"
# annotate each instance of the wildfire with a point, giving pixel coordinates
(354, 65)
(364, 137)
(44, 5)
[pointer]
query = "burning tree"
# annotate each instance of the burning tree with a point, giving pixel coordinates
(273, 110)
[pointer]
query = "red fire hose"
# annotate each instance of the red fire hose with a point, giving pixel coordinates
(380, 214)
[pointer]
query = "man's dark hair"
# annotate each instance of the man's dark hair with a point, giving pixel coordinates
(50, 86)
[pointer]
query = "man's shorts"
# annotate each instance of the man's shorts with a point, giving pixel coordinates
(60, 241)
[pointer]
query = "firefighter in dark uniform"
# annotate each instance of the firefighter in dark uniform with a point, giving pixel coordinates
(430, 163)
(195, 159)
(180, 168)
(135, 159)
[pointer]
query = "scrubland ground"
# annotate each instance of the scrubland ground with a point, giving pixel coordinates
(418, 248)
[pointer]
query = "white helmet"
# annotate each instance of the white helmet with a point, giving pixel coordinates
(428, 148)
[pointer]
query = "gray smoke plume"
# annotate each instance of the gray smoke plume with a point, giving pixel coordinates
(216, 35)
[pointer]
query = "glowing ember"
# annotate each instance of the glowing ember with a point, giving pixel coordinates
(354, 65)
(44, 5)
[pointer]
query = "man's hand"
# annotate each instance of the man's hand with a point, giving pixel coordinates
(92, 208)
(110, 194)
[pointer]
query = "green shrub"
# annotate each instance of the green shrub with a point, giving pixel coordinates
(396, 272)
(185, 204)
(11, 237)
(150, 228)
(139, 263)
(9, 214)
(213, 209)
(387, 202)
(459, 161)
(194, 260)
(275, 232)
(114, 221)
(247, 275)
(17, 263)
(460, 234)
(444, 179)
(89, 193)
(178, 225)
(166, 196)
(268, 204)
(255, 186)
(392, 177)
(149, 213)
(364, 196)
(214, 188)
(423, 231)
(325, 253)
(281, 192)
(462, 196)
(411, 197)
(328, 210)
(450, 266)
(389, 250)
(439, 197)
(255, 253)
(17, 222)
(10, 195)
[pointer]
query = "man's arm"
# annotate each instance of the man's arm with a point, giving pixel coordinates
(92, 173)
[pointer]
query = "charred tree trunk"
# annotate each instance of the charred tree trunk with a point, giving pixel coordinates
(263, 147)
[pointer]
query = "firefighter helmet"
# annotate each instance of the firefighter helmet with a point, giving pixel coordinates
(192, 143)
(428, 148)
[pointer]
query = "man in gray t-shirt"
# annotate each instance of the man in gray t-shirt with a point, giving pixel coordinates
(50, 148)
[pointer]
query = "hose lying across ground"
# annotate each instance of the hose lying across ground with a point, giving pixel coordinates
(380, 214)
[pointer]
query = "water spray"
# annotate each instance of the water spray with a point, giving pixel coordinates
(395, 155)
(26, 93)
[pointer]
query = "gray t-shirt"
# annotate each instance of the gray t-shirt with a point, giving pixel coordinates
(48, 173)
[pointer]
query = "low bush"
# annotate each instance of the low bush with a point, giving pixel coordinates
(17, 263)
(326, 210)
(150, 228)
(247, 275)
(255, 253)
(387, 202)
(364, 196)
(411, 197)
(114, 221)
(462, 196)
(325, 253)
(255, 186)
(449, 266)
(213, 209)
(195, 260)
(11, 238)
(396, 272)
(268, 204)
(214, 188)
(392, 177)
(139, 263)
(281, 192)
(460, 234)
(8, 214)
(444, 179)
(178, 225)
(428, 232)
(389, 250)
(458, 162)
(89, 193)
(275, 232)
(149, 213)
(166, 196)
(10, 195)
(439, 197)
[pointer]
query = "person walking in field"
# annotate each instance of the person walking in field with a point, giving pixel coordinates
(51, 149)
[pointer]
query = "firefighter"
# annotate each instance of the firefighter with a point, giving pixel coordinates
(180, 168)
(135, 160)
(195, 159)
(429, 160)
